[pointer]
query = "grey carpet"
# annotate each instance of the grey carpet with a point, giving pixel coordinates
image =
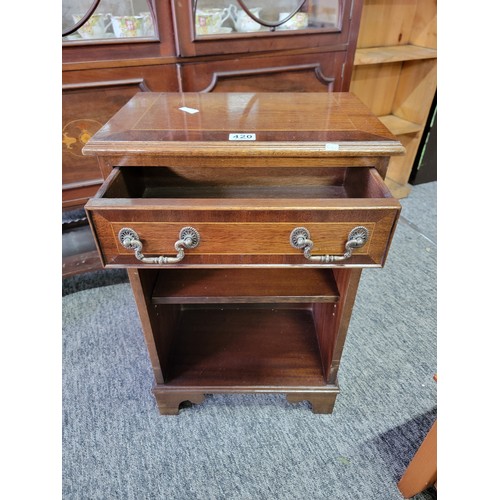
(117, 446)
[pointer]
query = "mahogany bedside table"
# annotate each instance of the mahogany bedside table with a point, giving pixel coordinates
(244, 220)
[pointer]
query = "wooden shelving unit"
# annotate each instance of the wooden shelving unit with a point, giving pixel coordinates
(395, 74)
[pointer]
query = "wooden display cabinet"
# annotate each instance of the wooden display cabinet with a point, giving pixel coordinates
(395, 74)
(244, 223)
(102, 71)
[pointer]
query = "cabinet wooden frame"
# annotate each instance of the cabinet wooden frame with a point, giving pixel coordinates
(244, 311)
(189, 45)
(89, 98)
(87, 52)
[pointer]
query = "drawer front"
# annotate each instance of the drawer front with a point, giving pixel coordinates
(245, 235)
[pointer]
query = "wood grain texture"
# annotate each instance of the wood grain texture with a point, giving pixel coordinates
(241, 346)
(378, 55)
(108, 161)
(376, 85)
(158, 324)
(234, 227)
(89, 99)
(153, 123)
(200, 286)
(399, 167)
(413, 102)
(244, 311)
(347, 281)
(145, 184)
(234, 241)
(314, 60)
(399, 126)
(284, 73)
(424, 30)
(386, 23)
(395, 73)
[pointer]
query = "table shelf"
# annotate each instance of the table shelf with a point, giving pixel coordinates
(219, 286)
(240, 346)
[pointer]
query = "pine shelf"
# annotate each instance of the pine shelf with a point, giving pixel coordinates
(395, 53)
(399, 126)
(395, 75)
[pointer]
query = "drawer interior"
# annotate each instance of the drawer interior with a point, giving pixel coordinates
(235, 182)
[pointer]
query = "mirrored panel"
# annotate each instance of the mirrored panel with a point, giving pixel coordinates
(111, 20)
(223, 17)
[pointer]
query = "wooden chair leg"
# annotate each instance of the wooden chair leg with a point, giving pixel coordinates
(422, 470)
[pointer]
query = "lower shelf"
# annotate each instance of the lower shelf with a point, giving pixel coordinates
(245, 331)
(245, 347)
(251, 348)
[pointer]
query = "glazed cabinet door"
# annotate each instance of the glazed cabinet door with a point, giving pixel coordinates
(205, 27)
(108, 30)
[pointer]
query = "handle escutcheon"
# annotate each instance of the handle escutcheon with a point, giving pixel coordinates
(188, 238)
(300, 238)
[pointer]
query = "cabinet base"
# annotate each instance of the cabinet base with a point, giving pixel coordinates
(169, 401)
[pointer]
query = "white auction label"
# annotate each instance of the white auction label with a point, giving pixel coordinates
(191, 111)
(241, 137)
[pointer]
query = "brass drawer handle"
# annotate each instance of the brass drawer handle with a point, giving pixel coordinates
(300, 238)
(188, 238)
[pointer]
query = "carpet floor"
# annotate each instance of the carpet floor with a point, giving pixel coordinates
(249, 447)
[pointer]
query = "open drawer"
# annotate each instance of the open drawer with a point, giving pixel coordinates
(209, 217)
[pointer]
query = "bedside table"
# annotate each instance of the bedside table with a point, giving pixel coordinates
(244, 220)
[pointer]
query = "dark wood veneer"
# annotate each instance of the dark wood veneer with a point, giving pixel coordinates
(209, 286)
(244, 311)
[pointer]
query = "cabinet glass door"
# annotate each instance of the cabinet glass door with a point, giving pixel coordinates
(229, 17)
(88, 21)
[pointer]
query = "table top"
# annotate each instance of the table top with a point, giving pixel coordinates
(243, 124)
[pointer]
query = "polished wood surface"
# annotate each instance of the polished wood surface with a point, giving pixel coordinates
(294, 72)
(422, 470)
(86, 108)
(242, 223)
(81, 263)
(202, 286)
(330, 124)
(378, 55)
(244, 311)
(203, 349)
(315, 60)
(244, 346)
